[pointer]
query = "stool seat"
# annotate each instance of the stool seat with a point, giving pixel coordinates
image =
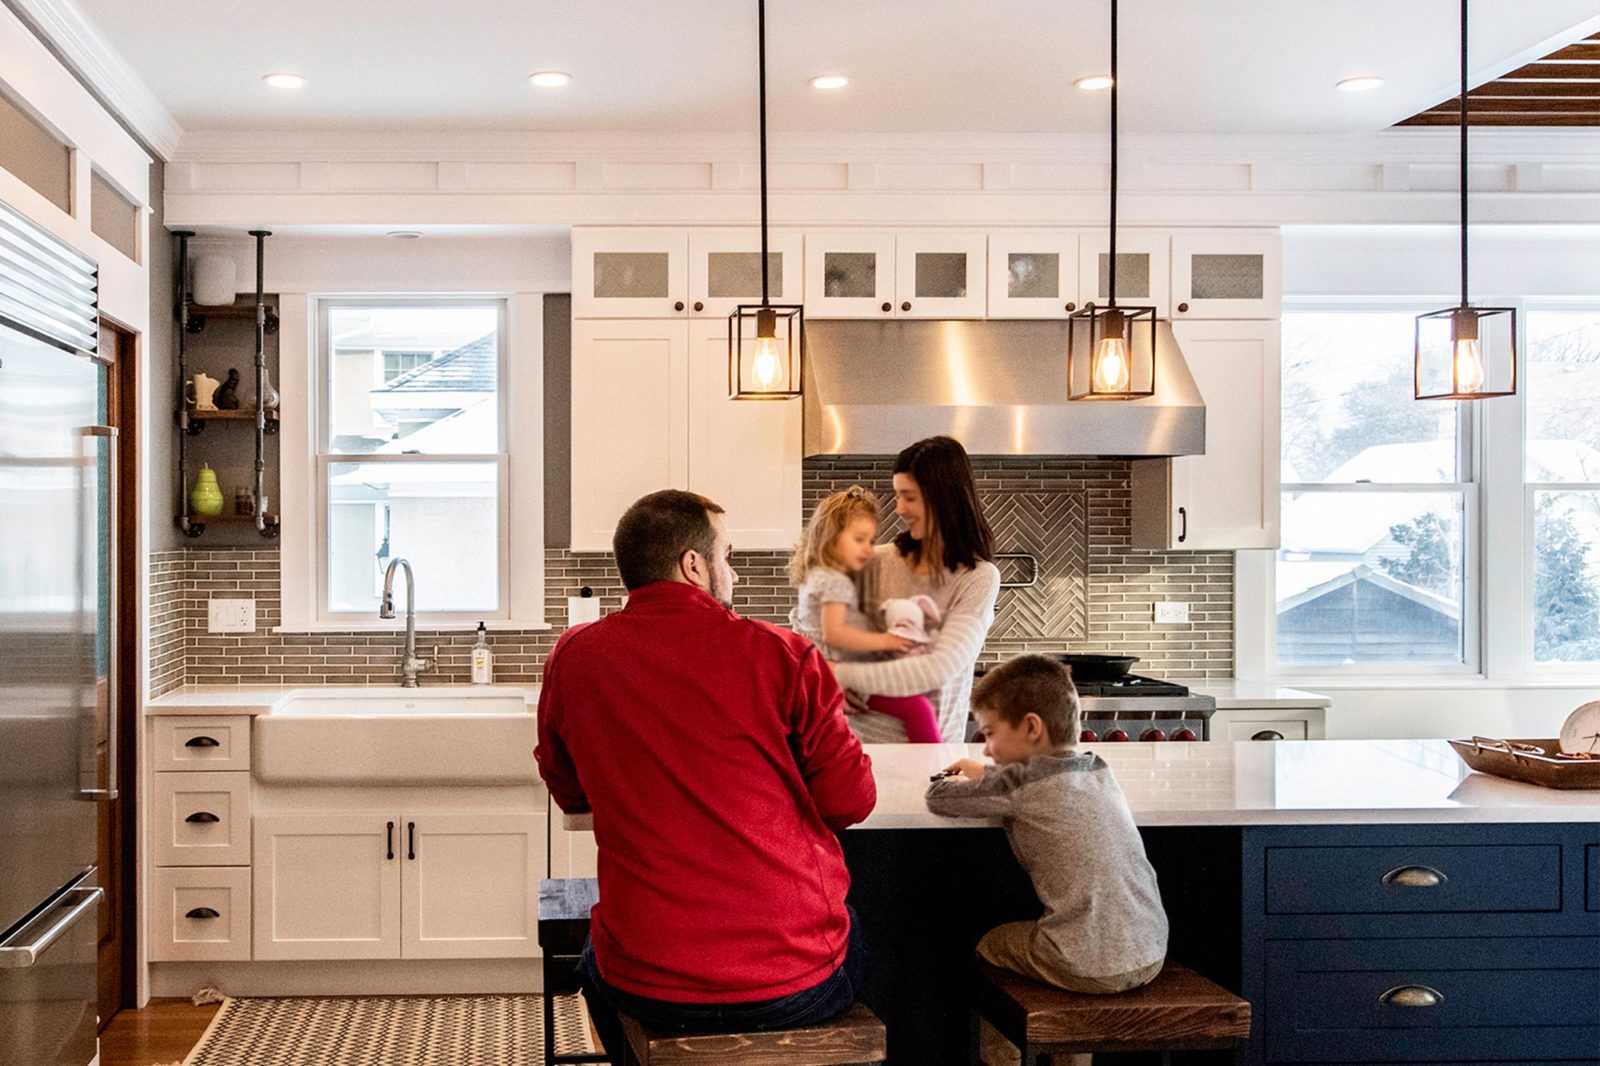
(1178, 1011)
(855, 1036)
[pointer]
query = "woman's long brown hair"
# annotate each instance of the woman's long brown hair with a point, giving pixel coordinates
(957, 534)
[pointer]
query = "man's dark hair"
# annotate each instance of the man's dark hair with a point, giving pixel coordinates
(655, 532)
(958, 535)
(1033, 684)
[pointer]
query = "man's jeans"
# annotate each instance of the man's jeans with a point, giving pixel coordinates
(811, 1006)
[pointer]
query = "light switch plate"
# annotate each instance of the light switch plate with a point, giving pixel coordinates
(1168, 611)
(230, 616)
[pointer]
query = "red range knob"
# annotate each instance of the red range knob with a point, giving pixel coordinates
(1117, 736)
(1185, 734)
(1088, 736)
(1152, 734)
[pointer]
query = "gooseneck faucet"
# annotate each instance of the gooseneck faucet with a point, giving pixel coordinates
(410, 665)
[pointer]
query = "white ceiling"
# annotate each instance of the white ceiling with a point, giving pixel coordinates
(1195, 66)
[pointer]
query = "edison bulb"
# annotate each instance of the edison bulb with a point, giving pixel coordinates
(767, 364)
(1111, 366)
(1468, 366)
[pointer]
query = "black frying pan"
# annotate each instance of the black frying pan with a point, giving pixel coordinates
(1092, 667)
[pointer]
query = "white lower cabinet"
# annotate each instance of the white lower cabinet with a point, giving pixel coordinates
(1269, 723)
(375, 886)
(200, 914)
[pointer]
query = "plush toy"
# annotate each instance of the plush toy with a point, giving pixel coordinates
(913, 619)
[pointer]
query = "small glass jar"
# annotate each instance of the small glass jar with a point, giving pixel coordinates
(242, 502)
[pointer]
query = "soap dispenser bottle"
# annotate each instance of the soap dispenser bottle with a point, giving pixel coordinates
(482, 658)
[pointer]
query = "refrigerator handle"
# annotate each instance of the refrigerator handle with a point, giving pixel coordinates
(110, 791)
(21, 956)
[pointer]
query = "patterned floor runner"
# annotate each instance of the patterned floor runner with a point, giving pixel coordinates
(388, 1031)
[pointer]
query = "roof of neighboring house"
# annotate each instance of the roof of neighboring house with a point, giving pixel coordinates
(1430, 600)
(473, 367)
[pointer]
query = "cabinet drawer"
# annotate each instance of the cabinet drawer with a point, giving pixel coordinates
(201, 819)
(1481, 999)
(200, 913)
(1414, 879)
(202, 743)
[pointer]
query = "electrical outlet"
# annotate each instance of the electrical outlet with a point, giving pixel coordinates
(230, 616)
(1168, 611)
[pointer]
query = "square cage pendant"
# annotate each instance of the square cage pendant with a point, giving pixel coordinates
(1466, 353)
(1111, 353)
(766, 348)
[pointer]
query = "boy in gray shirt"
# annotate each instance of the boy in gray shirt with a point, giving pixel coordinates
(1103, 928)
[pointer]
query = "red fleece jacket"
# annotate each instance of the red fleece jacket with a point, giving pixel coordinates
(714, 753)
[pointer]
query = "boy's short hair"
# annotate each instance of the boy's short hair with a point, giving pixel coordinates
(1033, 684)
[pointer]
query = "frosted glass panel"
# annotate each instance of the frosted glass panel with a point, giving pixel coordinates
(736, 275)
(630, 275)
(1033, 275)
(1133, 275)
(1226, 277)
(850, 275)
(942, 275)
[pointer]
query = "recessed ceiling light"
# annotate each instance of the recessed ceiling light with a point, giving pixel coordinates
(549, 79)
(404, 234)
(829, 81)
(1360, 85)
(1094, 83)
(284, 80)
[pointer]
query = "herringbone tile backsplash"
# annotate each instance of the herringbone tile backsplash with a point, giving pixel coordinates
(1070, 517)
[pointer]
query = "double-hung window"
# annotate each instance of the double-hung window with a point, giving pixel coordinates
(1561, 485)
(1376, 568)
(412, 458)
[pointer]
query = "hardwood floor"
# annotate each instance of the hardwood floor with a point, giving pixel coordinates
(161, 1033)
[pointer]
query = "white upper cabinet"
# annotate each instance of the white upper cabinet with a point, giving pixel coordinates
(850, 274)
(940, 274)
(630, 273)
(1142, 267)
(1033, 274)
(725, 269)
(1227, 274)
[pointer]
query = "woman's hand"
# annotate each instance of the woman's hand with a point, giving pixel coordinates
(967, 769)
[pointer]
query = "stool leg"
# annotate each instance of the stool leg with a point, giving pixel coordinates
(549, 1007)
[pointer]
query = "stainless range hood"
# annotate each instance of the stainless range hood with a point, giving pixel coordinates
(999, 387)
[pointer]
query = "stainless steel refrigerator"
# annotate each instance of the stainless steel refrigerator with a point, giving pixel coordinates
(56, 485)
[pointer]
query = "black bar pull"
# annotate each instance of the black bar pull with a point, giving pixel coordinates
(202, 818)
(202, 742)
(411, 840)
(1183, 529)
(388, 837)
(203, 912)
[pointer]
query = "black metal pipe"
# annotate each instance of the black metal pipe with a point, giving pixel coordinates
(183, 236)
(261, 379)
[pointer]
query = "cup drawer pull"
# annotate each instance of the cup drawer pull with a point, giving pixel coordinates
(202, 742)
(204, 913)
(1415, 877)
(1412, 996)
(202, 818)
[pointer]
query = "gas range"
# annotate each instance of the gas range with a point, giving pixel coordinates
(1134, 708)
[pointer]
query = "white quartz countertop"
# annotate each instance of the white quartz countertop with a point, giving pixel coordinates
(1308, 782)
(242, 699)
(1233, 694)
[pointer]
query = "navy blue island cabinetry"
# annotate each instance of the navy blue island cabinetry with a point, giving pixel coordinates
(1427, 943)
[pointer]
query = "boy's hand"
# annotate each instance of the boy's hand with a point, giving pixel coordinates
(967, 769)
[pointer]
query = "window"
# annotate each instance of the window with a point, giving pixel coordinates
(1561, 484)
(413, 464)
(1379, 502)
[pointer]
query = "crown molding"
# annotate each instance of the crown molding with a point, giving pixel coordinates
(105, 73)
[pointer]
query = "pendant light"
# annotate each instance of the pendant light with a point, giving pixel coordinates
(1465, 352)
(1111, 350)
(765, 365)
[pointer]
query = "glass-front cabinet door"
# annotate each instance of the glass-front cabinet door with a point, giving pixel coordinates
(940, 274)
(1227, 274)
(630, 273)
(1142, 265)
(725, 269)
(850, 274)
(1033, 274)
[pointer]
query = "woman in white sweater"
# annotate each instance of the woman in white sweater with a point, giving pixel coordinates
(947, 553)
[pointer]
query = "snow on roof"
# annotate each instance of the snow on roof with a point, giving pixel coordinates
(473, 367)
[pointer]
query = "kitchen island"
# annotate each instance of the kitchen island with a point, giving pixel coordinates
(1374, 900)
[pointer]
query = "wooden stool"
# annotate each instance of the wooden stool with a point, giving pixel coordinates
(564, 906)
(855, 1036)
(1178, 1011)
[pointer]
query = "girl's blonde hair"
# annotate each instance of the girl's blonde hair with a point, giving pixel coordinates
(831, 517)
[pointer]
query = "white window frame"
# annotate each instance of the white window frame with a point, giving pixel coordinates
(304, 385)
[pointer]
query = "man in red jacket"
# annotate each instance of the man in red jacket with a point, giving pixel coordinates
(714, 755)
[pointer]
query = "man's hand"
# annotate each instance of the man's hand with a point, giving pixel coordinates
(967, 769)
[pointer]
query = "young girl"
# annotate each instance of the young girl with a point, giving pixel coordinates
(837, 544)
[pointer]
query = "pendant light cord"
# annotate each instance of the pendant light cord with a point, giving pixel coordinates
(1111, 280)
(1463, 153)
(761, 67)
